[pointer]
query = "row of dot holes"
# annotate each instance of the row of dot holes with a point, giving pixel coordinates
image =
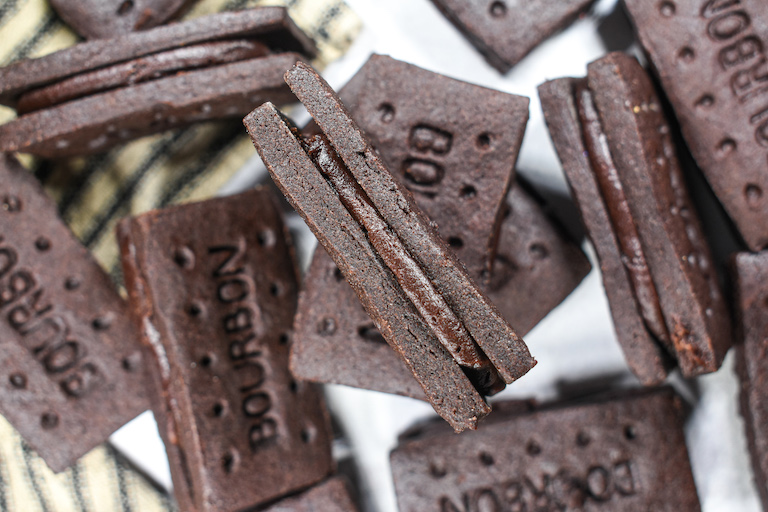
(752, 192)
(533, 449)
(13, 204)
(50, 420)
(185, 258)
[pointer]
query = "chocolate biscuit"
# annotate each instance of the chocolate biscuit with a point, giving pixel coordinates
(72, 368)
(458, 177)
(457, 158)
(335, 341)
(98, 19)
(617, 153)
(751, 285)
(645, 357)
(712, 60)
(622, 454)
(534, 258)
(90, 97)
(329, 496)
(505, 31)
(454, 341)
(214, 287)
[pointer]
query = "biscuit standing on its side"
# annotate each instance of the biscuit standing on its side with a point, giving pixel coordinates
(452, 338)
(95, 95)
(620, 162)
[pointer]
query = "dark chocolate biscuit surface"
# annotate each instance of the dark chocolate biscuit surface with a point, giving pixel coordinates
(644, 355)
(72, 368)
(669, 229)
(214, 287)
(139, 70)
(96, 123)
(751, 278)
(625, 454)
(456, 157)
(443, 381)
(504, 31)
(269, 24)
(99, 19)
(394, 203)
(630, 187)
(711, 59)
(384, 246)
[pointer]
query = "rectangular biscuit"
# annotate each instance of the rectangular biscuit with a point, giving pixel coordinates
(643, 354)
(678, 255)
(271, 24)
(505, 31)
(98, 122)
(92, 96)
(457, 158)
(72, 368)
(617, 149)
(214, 287)
(622, 454)
(401, 270)
(444, 384)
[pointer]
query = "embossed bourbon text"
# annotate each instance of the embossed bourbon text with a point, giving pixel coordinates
(743, 56)
(242, 324)
(559, 491)
(45, 333)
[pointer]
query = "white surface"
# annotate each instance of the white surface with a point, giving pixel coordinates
(141, 442)
(576, 341)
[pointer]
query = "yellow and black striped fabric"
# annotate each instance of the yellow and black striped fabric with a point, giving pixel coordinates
(101, 481)
(94, 192)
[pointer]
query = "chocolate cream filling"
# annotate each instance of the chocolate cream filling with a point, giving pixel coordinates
(430, 304)
(620, 215)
